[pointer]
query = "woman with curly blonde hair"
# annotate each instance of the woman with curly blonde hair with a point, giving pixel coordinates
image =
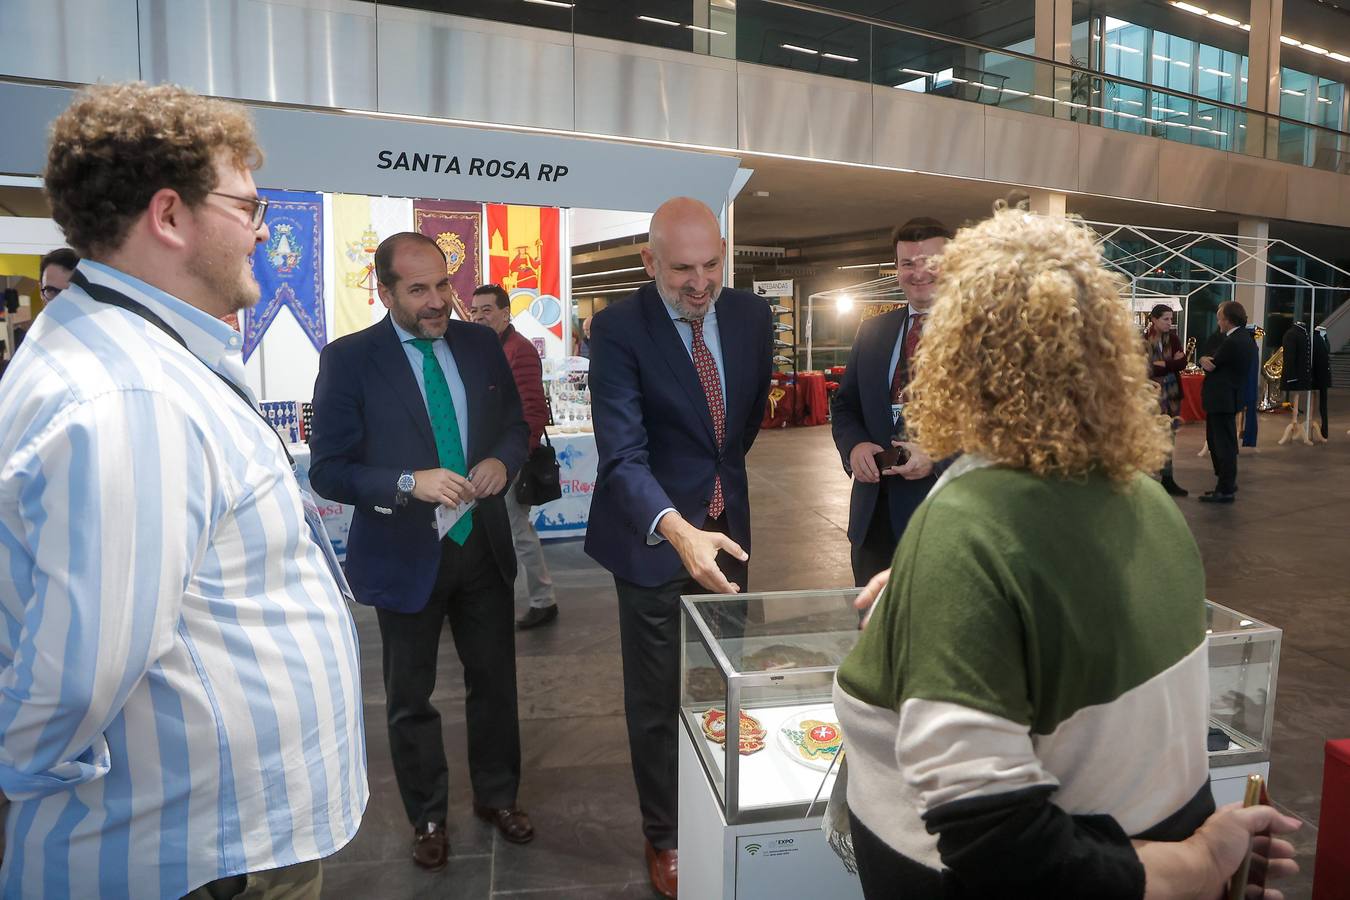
(1025, 713)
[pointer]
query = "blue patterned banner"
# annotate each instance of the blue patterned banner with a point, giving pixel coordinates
(289, 268)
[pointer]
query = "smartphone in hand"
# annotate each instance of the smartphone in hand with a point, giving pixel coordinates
(896, 456)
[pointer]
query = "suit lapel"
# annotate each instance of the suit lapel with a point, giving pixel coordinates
(874, 372)
(671, 348)
(475, 390)
(392, 361)
(731, 326)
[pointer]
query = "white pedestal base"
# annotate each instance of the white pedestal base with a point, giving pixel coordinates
(760, 861)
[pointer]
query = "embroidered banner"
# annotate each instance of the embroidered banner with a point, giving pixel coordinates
(359, 224)
(457, 228)
(525, 251)
(289, 268)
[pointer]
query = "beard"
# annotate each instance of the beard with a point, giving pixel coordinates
(678, 303)
(428, 329)
(232, 284)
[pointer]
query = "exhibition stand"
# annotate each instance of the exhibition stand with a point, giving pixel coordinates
(758, 736)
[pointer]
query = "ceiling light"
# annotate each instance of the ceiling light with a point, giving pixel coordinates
(1184, 65)
(1015, 93)
(1246, 27)
(608, 272)
(1224, 19)
(1197, 128)
(1285, 39)
(1291, 93)
(1221, 133)
(1217, 72)
(844, 303)
(1340, 57)
(1125, 115)
(1318, 50)
(1123, 49)
(552, 3)
(918, 72)
(1162, 58)
(865, 265)
(797, 49)
(1074, 105)
(1206, 118)
(655, 21)
(840, 57)
(1323, 100)
(705, 30)
(1046, 99)
(1190, 8)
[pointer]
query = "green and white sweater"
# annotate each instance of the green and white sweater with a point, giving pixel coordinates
(1031, 690)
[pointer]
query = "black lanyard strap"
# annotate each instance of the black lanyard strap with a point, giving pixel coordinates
(104, 294)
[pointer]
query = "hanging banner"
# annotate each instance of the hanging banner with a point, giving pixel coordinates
(289, 268)
(359, 224)
(525, 252)
(456, 227)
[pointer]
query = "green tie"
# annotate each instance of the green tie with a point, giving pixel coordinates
(444, 425)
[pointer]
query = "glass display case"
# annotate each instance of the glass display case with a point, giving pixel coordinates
(1244, 659)
(757, 674)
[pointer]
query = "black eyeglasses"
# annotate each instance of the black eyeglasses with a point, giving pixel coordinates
(259, 207)
(49, 293)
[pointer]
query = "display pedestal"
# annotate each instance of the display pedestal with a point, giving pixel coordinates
(756, 861)
(1229, 783)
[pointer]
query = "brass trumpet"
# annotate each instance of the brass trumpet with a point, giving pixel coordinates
(1273, 369)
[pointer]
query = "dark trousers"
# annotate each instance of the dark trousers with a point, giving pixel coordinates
(885, 872)
(1221, 433)
(649, 635)
(877, 549)
(471, 593)
(1322, 407)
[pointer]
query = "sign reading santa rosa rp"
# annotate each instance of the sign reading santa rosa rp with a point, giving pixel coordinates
(474, 166)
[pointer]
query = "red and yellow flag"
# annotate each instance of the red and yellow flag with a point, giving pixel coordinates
(525, 252)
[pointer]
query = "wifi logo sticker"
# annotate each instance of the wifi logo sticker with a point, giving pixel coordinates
(752, 849)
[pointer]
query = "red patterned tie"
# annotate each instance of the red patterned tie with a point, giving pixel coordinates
(902, 365)
(712, 389)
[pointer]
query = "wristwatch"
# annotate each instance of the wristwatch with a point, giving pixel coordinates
(406, 483)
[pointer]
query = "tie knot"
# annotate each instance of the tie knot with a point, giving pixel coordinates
(696, 324)
(426, 345)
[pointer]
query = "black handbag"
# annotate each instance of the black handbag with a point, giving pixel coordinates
(539, 480)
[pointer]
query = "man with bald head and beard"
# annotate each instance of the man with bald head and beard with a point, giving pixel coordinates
(679, 377)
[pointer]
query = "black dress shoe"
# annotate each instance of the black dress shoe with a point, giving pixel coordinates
(513, 823)
(536, 616)
(1216, 497)
(1174, 489)
(431, 846)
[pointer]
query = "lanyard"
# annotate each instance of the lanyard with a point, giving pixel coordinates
(104, 294)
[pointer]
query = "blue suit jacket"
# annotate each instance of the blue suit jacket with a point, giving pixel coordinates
(371, 424)
(655, 434)
(862, 412)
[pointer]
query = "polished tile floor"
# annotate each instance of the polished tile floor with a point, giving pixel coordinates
(1278, 553)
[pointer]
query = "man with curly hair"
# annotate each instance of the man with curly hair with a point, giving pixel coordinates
(868, 409)
(180, 706)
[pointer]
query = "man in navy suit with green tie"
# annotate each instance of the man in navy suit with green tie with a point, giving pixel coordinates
(413, 417)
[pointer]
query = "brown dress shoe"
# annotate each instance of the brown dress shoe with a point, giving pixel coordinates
(512, 823)
(431, 846)
(663, 868)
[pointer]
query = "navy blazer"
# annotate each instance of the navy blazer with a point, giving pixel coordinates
(1234, 358)
(862, 412)
(654, 432)
(371, 424)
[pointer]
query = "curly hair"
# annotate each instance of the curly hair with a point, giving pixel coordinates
(1030, 358)
(118, 144)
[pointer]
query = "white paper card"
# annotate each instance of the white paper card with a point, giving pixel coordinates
(447, 516)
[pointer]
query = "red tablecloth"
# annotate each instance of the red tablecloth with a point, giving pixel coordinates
(1191, 385)
(1332, 872)
(815, 404)
(803, 401)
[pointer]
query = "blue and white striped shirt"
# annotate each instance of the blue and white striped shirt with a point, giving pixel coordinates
(179, 683)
